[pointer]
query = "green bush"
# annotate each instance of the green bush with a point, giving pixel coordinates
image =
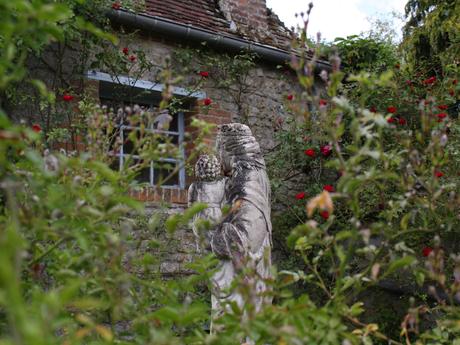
(71, 271)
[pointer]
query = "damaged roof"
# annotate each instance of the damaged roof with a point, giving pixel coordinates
(206, 14)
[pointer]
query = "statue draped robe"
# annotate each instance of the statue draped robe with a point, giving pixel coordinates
(244, 236)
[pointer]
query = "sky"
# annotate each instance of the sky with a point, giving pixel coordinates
(337, 18)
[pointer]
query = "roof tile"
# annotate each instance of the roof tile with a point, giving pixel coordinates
(206, 14)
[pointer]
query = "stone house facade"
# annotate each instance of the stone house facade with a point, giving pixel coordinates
(226, 27)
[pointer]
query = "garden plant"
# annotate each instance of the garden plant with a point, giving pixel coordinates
(375, 205)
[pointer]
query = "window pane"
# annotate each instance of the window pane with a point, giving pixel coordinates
(143, 175)
(115, 164)
(128, 145)
(162, 174)
(174, 124)
(122, 95)
(171, 139)
(117, 96)
(174, 139)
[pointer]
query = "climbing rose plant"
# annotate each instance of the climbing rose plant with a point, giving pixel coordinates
(380, 204)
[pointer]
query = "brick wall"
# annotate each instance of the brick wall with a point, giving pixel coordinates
(249, 16)
(154, 194)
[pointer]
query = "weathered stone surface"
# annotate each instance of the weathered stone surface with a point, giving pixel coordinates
(243, 238)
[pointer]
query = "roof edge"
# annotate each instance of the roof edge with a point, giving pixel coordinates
(217, 40)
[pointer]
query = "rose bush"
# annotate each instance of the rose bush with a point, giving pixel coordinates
(379, 205)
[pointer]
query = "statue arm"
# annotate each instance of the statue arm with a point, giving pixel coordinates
(191, 196)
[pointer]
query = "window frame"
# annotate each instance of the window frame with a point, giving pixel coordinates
(178, 161)
(180, 133)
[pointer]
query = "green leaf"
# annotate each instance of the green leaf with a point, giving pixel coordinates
(405, 221)
(172, 223)
(399, 264)
(357, 309)
(343, 235)
(419, 278)
(104, 171)
(88, 26)
(167, 314)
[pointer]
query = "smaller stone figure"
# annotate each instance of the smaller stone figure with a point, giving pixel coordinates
(208, 188)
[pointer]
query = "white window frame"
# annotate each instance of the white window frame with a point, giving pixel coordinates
(178, 161)
(180, 133)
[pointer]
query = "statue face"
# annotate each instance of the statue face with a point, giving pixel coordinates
(225, 160)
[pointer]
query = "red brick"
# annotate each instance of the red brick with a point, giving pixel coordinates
(166, 195)
(157, 194)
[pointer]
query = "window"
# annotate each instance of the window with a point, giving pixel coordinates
(158, 171)
(121, 92)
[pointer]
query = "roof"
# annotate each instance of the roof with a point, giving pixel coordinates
(206, 14)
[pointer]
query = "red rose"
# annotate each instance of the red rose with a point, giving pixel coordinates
(36, 128)
(442, 107)
(125, 51)
(204, 74)
(310, 152)
(67, 98)
(454, 82)
(290, 97)
(429, 81)
(116, 5)
(391, 109)
(402, 121)
(426, 251)
(373, 109)
(300, 196)
(132, 58)
(326, 150)
(438, 174)
(207, 101)
(452, 92)
(329, 188)
(324, 215)
(391, 120)
(322, 102)
(441, 116)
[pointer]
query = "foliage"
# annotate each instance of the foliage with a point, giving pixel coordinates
(227, 72)
(431, 36)
(393, 143)
(75, 269)
(370, 54)
(26, 27)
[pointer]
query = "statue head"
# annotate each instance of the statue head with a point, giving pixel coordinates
(236, 144)
(207, 168)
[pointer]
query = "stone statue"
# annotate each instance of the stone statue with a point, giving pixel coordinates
(242, 239)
